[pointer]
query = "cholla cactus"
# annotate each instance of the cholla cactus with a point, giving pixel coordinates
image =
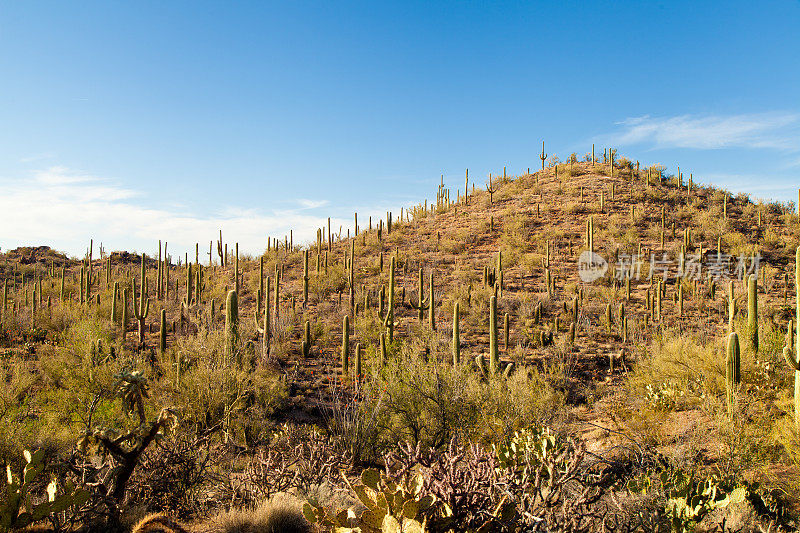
(133, 389)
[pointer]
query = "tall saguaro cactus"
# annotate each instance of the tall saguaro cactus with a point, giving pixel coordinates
(752, 312)
(456, 336)
(731, 306)
(189, 282)
(124, 319)
(494, 356)
(390, 312)
(305, 278)
(792, 350)
(345, 344)
(141, 308)
(162, 333)
(733, 374)
(231, 323)
(543, 156)
(114, 297)
(263, 328)
(431, 305)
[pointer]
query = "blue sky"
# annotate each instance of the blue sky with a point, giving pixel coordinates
(131, 122)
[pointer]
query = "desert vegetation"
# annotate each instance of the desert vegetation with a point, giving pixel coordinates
(592, 346)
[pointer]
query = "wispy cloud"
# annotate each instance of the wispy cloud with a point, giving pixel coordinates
(311, 204)
(64, 208)
(775, 130)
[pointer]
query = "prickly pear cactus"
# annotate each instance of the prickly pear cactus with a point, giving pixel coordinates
(391, 506)
(17, 511)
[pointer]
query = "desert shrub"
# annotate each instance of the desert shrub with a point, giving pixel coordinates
(172, 474)
(280, 513)
(324, 285)
(297, 458)
(213, 392)
(429, 402)
(353, 418)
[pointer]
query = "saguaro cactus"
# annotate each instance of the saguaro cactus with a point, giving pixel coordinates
(732, 367)
(359, 356)
(456, 335)
(162, 333)
(731, 306)
(231, 323)
(263, 329)
(506, 329)
(420, 306)
(494, 356)
(543, 156)
(431, 305)
(189, 284)
(383, 349)
(305, 278)
(390, 312)
(345, 344)
(792, 350)
(114, 303)
(142, 308)
(752, 312)
(125, 315)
